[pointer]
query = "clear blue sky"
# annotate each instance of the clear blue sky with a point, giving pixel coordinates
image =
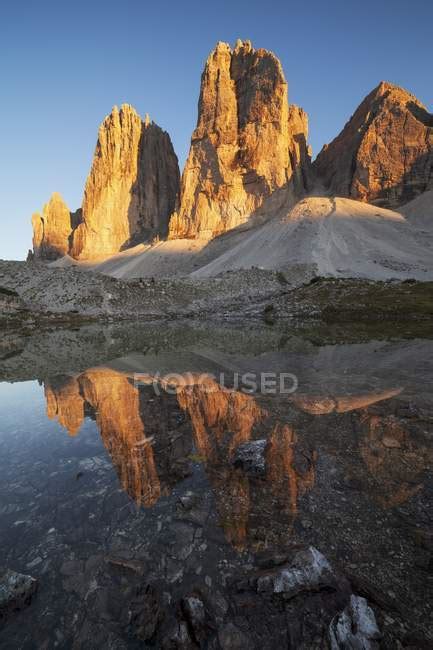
(64, 65)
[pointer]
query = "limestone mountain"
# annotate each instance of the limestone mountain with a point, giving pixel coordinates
(132, 186)
(384, 154)
(52, 229)
(248, 162)
(249, 144)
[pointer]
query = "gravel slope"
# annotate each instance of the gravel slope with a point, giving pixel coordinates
(339, 237)
(332, 237)
(419, 212)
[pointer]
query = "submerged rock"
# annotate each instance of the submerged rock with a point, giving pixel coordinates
(355, 627)
(145, 613)
(232, 638)
(250, 456)
(309, 570)
(178, 637)
(16, 592)
(195, 613)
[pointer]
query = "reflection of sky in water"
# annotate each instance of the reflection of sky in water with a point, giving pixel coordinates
(24, 395)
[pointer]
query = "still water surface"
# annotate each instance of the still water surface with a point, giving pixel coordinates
(123, 489)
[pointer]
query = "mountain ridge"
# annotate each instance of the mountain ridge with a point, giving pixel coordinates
(249, 162)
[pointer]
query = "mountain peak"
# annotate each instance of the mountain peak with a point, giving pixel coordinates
(131, 189)
(247, 146)
(129, 195)
(384, 154)
(52, 229)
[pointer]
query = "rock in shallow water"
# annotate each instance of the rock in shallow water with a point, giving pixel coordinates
(355, 627)
(250, 456)
(231, 638)
(309, 570)
(145, 613)
(16, 592)
(195, 614)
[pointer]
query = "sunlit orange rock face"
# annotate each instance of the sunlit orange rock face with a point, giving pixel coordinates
(116, 403)
(395, 457)
(131, 189)
(214, 411)
(384, 154)
(289, 479)
(249, 144)
(52, 229)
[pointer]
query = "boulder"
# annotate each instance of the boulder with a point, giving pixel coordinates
(308, 571)
(250, 456)
(355, 627)
(16, 592)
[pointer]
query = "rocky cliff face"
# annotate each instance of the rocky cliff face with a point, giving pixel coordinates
(384, 154)
(249, 144)
(132, 186)
(52, 229)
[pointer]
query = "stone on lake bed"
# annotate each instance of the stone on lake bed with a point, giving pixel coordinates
(250, 456)
(308, 571)
(16, 592)
(391, 443)
(195, 613)
(355, 627)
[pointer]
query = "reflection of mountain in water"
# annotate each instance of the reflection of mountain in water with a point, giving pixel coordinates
(150, 438)
(248, 506)
(65, 402)
(395, 457)
(322, 405)
(129, 421)
(221, 420)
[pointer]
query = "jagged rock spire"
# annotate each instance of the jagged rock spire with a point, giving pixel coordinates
(248, 143)
(52, 229)
(132, 186)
